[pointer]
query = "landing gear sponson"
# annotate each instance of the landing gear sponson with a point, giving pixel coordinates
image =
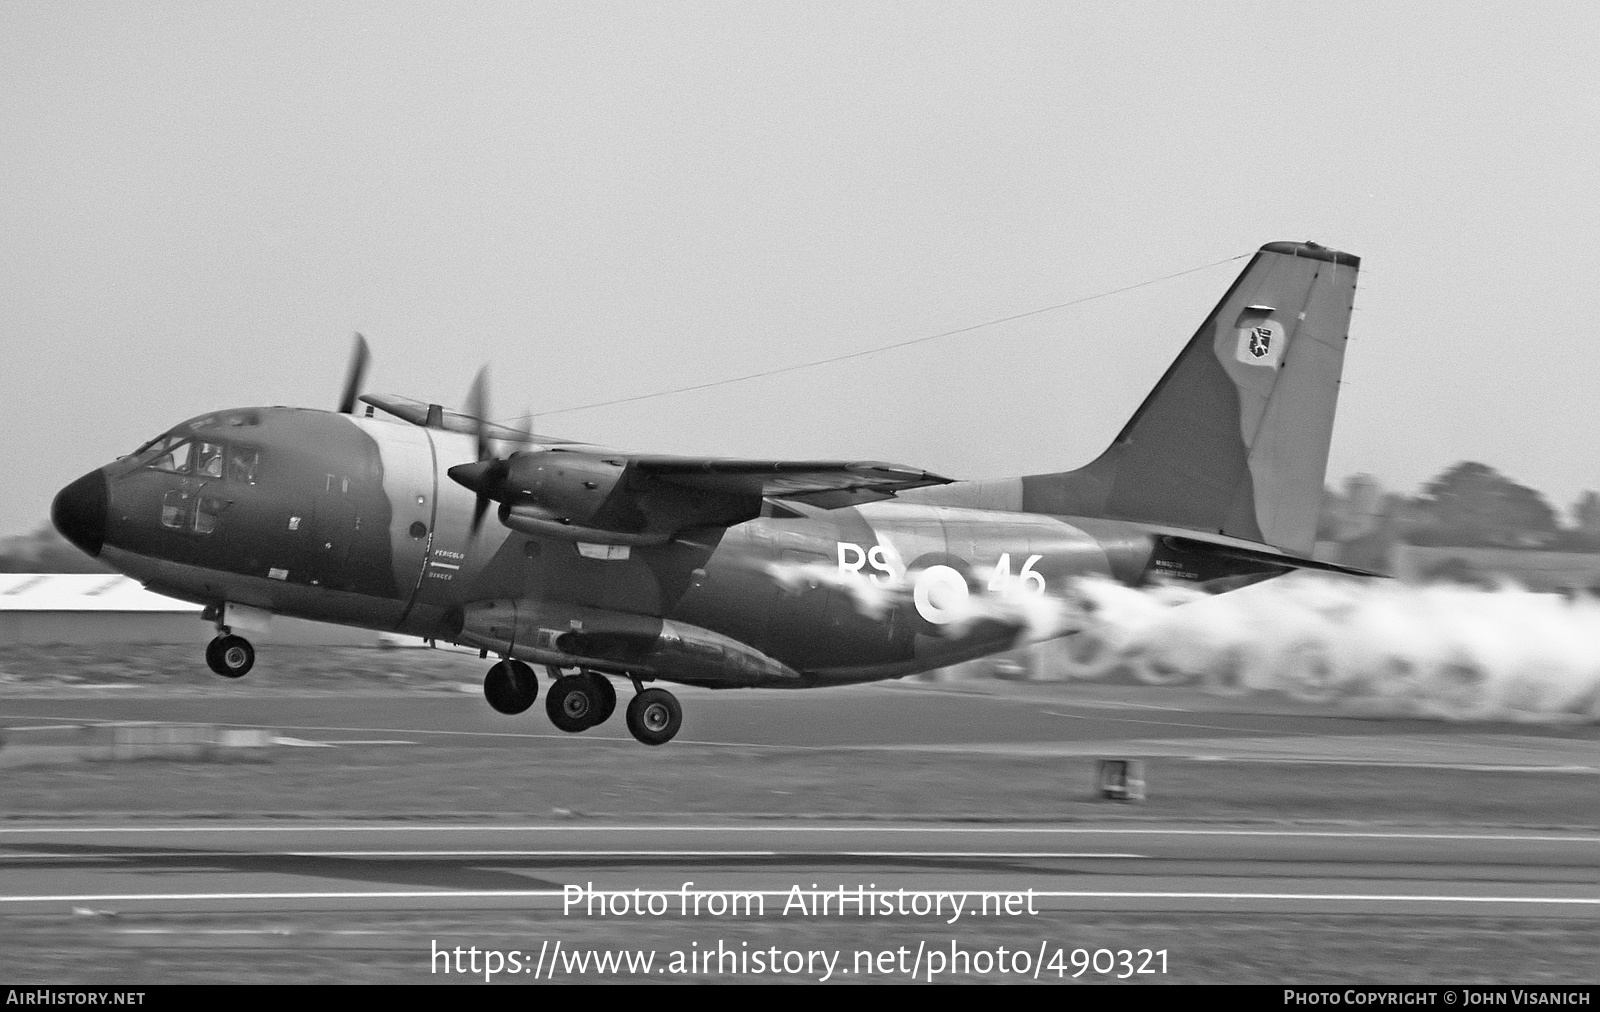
(577, 702)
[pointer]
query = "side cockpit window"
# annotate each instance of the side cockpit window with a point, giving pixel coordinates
(175, 510)
(185, 511)
(206, 512)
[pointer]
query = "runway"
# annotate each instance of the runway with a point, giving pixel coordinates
(1012, 718)
(1280, 841)
(141, 868)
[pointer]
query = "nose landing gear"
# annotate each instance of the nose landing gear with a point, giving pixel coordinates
(511, 686)
(230, 656)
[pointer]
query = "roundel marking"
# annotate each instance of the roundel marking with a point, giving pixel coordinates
(940, 593)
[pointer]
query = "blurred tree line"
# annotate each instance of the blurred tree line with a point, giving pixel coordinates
(45, 551)
(1469, 505)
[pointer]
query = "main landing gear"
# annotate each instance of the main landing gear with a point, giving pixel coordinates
(511, 686)
(654, 716)
(579, 702)
(230, 656)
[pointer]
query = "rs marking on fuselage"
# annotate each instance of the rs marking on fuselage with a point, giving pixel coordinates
(853, 557)
(939, 592)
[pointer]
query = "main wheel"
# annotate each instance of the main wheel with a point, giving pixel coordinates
(230, 656)
(654, 716)
(605, 698)
(511, 686)
(572, 703)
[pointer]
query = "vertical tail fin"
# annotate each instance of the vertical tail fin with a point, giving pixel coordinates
(1234, 438)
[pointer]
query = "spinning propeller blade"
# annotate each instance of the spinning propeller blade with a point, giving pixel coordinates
(478, 407)
(354, 374)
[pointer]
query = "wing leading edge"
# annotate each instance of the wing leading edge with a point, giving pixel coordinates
(784, 479)
(602, 496)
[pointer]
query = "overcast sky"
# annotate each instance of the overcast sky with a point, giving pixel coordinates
(202, 201)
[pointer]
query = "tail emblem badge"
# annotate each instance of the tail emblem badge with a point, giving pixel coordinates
(1261, 341)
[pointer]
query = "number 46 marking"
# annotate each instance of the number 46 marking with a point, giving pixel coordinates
(1003, 583)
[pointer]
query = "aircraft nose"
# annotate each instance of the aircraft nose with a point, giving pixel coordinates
(79, 512)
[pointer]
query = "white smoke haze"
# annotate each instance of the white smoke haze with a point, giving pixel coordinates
(1379, 646)
(1376, 647)
(871, 599)
(1036, 616)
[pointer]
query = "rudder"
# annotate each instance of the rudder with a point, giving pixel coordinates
(1234, 438)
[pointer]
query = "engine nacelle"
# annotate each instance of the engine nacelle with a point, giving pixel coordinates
(566, 486)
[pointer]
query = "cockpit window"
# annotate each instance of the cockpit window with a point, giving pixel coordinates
(149, 452)
(171, 455)
(242, 464)
(208, 460)
(148, 444)
(178, 455)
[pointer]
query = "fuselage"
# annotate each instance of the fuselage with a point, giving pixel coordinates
(354, 520)
(727, 572)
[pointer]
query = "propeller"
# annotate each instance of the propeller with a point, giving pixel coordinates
(494, 473)
(478, 408)
(354, 374)
(487, 475)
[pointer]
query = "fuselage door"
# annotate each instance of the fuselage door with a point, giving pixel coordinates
(331, 531)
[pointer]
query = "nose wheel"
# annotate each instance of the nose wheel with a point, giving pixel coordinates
(511, 686)
(654, 716)
(230, 656)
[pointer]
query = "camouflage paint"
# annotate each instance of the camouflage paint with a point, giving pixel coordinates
(314, 510)
(355, 520)
(1230, 442)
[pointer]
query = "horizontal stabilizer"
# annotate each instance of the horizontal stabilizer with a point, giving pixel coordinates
(1189, 551)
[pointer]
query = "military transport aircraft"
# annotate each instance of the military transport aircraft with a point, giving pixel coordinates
(605, 563)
